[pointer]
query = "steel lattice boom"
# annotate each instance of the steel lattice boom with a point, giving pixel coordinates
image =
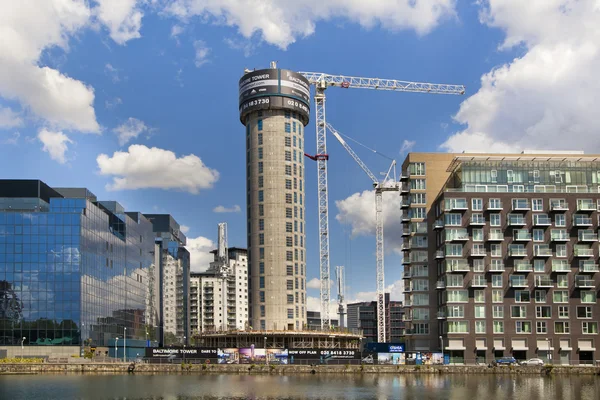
(322, 81)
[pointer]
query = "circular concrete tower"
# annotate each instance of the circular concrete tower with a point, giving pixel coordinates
(274, 107)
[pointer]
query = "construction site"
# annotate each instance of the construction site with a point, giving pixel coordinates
(274, 107)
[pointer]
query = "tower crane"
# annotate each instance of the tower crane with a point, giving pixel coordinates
(341, 290)
(389, 184)
(321, 82)
(220, 267)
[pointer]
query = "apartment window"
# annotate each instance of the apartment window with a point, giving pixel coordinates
(518, 311)
(289, 270)
(479, 326)
(495, 219)
(537, 205)
(563, 311)
(562, 327)
(288, 169)
(589, 328)
(543, 312)
(418, 198)
(584, 312)
(295, 197)
(261, 253)
(259, 124)
(288, 212)
(478, 265)
(588, 296)
(289, 256)
(294, 126)
(290, 299)
(458, 327)
(261, 282)
(288, 141)
(561, 250)
(261, 267)
(497, 296)
(288, 184)
(522, 296)
(290, 284)
(417, 184)
(540, 296)
(538, 235)
(294, 136)
(477, 235)
(260, 153)
(560, 296)
(261, 238)
(290, 313)
(496, 250)
(262, 311)
(477, 204)
(497, 311)
(560, 220)
(562, 281)
(288, 127)
(261, 296)
(496, 280)
(288, 227)
(455, 311)
(417, 212)
(288, 155)
(452, 219)
(498, 326)
(541, 327)
(539, 265)
(523, 326)
(288, 198)
(260, 167)
(260, 181)
(260, 139)
(421, 329)
(458, 295)
(495, 203)
(261, 224)
(479, 296)
(288, 241)
(417, 168)
(479, 311)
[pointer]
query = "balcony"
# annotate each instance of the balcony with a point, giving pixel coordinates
(521, 205)
(586, 205)
(438, 224)
(457, 266)
(516, 220)
(440, 285)
(405, 247)
(407, 318)
(542, 220)
(495, 235)
(479, 283)
(559, 235)
(494, 205)
(456, 205)
(560, 266)
(521, 235)
(407, 289)
(518, 281)
(542, 251)
(588, 267)
(497, 267)
(441, 315)
(457, 235)
(405, 260)
(517, 252)
(404, 176)
(406, 232)
(406, 274)
(405, 188)
(584, 282)
(587, 236)
(439, 254)
(478, 252)
(477, 220)
(559, 205)
(405, 216)
(578, 220)
(543, 282)
(404, 204)
(583, 252)
(521, 266)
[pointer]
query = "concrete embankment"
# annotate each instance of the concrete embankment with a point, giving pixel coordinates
(289, 369)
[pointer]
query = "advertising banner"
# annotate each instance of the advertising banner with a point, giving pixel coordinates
(391, 359)
(228, 356)
(178, 352)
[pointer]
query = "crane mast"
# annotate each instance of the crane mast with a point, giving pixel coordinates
(223, 267)
(341, 289)
(322, 81)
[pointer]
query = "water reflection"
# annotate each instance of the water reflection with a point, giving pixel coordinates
(297, 387)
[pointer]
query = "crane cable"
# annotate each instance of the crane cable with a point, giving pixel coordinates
(365, 146)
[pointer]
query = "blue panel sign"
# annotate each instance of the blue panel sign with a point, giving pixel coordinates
(395, 348)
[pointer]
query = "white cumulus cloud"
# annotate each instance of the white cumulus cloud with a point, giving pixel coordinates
(129, 130)
(314, 283)
(358, 211)
(55, 144)
(122, 18)
(202, 53)
(9, 118)
(223, 209)
(200, 256)
(142, 167)
(281, 22)
(395, 290)
(407, 146)
(184, 228)
(545, 98)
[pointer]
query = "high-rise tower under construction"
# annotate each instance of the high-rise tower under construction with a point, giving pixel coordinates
(274, 107)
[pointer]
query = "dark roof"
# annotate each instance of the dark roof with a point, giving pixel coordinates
(27, 188)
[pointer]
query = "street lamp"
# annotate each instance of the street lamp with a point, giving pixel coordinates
(442, 347)
(184, 349)
(266, 358)
(549, 352)
(22, 348)
(125, 345)
(116, 350)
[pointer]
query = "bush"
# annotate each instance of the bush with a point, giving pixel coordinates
(21, 360)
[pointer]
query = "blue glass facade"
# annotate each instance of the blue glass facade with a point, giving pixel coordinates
(73, 271)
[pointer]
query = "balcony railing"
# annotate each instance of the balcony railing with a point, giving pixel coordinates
(460, 234)
(440, 285)
(406, 232)
(405, 247)
(441, 315)
(518, 281)
(586, 205)
(589, 236)
(584, 282)
(458, 266)
(495, 235)
(543, 282)
(559, 236)
(560, 266)
(494, 205)
(542, 251)
(407, 289)
(516, 220)
(478, 252)
(498, 267)
(583, 252)
(438, 224)
(559, 205)
(523, 267)
(406, 275)
(521, 235)
(439, 254)
(456, 204)
(478, 283)
(521, 205)
(582, 221)
(588, 267)
(517, 252)
(477, 220)
(405, 204)
(405, 217)
(405, 260)
(539, 220)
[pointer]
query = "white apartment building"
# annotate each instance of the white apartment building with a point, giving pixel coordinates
(220, 304)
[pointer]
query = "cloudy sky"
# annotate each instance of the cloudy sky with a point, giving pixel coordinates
(136, 99)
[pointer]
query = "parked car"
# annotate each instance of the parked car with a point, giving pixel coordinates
(505, 361)
(533, 362)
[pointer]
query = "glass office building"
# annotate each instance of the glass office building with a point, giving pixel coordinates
(73, 270)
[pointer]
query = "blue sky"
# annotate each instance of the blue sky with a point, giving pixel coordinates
(85, 80)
